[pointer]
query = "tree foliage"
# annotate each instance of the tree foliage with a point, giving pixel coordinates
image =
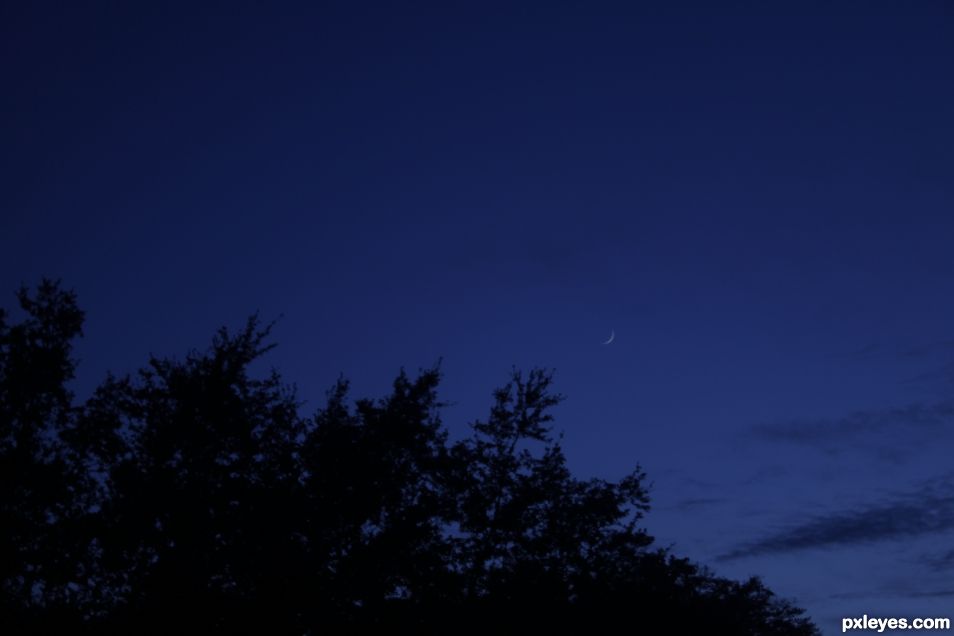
(193, 495)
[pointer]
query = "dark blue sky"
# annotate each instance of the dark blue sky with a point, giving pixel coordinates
(757, 197)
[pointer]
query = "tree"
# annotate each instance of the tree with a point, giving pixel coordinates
(202, 488)
(42, 489)
(194, 494)
(532, 533)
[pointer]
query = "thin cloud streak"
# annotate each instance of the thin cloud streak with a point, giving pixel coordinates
(823, 432)
(912, 515)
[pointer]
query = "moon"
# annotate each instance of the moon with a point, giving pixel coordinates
(612, 335)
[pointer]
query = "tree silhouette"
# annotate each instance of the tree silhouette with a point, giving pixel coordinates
(195, 495)
(42, 488)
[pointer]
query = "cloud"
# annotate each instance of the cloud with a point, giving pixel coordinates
(919, 350)
(944, 593)
(926, 349)
(943, 374)
(695, 502)
(940, 562)
(908, 590)
(866, 352)
(928, 511)
(937, 353)
(825, 432)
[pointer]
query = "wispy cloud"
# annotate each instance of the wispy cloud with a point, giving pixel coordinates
(929, 348)
(907, 590)
(824, 432)
(694, 503)
(943, 374)
(877, 350)
(940, 562)
(932, 594)
(862, 353)
(927, 511)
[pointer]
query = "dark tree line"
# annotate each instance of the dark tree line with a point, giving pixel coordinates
(194, 496)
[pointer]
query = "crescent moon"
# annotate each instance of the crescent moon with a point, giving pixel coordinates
(612, 336)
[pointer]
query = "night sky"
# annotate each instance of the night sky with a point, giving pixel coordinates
(758, 198)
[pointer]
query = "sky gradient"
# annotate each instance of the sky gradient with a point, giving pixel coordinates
(757, 199)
